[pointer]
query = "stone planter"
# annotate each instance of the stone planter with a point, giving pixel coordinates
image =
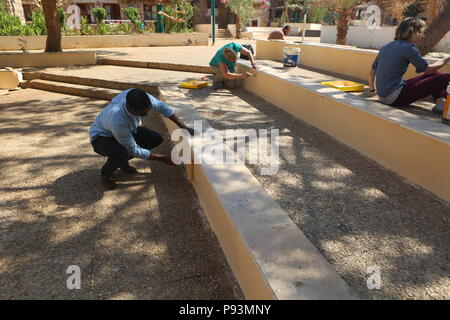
(13, 43)
(9, 78)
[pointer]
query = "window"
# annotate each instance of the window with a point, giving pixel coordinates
(86, 11)
(149, 12)
(27, 11)
(112, 11)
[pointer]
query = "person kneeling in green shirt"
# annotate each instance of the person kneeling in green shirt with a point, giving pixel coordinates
(224, 64)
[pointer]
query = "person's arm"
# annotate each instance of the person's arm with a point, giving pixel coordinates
(437, 65)
(181, 124)
(230, 75)
(415, 58)
(249, 54)
(372, 73)
(168, 112)
(372, 81)
(123, 135)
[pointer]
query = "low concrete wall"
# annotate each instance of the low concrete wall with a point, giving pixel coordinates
(363, 37)
(51, 59)
(295, 28)
(205, 28)
(107, 41)
(347, 61)
(398, 140)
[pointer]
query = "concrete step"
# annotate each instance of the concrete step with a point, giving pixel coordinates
(72, 89)
(156, 65)
(84, 81)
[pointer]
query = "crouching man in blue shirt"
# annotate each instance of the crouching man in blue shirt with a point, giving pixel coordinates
(117, 132)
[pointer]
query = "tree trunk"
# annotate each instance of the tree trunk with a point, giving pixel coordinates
(238, 27)
(342, 25)
(436, 30)
(53, 43)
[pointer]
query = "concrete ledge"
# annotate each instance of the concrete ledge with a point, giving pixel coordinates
(344, 60)
(72, 89)
(13, 43)
(412, 147)
(89, 81)
(47, 59)
(156, 65)
(270, 256)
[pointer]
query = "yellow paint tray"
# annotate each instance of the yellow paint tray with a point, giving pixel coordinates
(344, 85)
(194, 84)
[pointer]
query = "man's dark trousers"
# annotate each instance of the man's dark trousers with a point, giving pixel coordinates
(117, 155)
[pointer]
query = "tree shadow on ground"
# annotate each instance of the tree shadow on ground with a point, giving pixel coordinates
(78, 188)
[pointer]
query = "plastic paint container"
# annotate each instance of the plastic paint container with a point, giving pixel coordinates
(291, 57)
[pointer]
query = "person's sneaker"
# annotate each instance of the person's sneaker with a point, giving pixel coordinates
(107, 182)
(129, 170)
(438, 108)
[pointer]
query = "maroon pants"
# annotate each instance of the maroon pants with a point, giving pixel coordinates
(434, 84)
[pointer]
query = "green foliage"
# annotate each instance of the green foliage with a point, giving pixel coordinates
(242, 8)
(99, 14)
(133, 15)
(11, 26)
(85, 27)
(103, 29)
(317, 14)
(149, 28)
(38, 23)
(62, 16)
(119, 28)
(179, 9)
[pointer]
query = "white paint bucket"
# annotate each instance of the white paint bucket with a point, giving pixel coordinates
(290, 57)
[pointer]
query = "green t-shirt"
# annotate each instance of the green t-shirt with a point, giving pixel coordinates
(219, 57)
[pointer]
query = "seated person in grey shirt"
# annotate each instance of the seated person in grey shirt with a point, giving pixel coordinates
(392, 62)
(117, 132)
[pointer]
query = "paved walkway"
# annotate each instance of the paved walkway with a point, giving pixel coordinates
(145, 240)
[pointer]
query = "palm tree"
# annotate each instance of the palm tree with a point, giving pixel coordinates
(344, 9)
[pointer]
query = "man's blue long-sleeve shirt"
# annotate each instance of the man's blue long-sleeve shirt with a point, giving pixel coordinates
(116, 121)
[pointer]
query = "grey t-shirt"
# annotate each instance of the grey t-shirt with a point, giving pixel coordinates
(391, 64)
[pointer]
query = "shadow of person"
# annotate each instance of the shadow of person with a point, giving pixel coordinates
(79, 188)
